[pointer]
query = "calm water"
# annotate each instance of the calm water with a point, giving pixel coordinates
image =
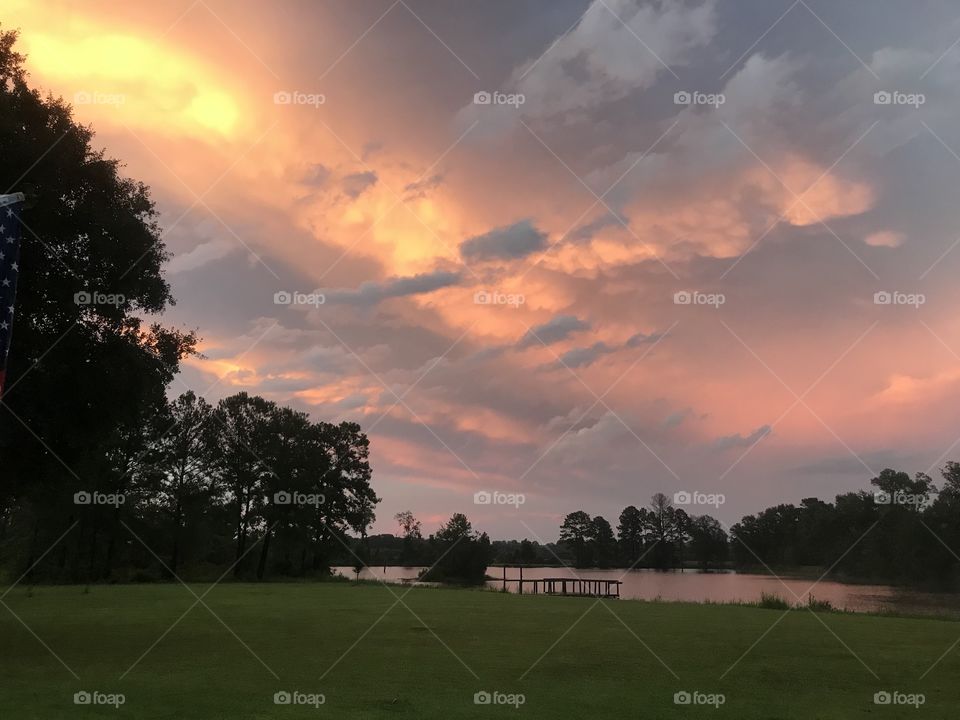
(694, 586)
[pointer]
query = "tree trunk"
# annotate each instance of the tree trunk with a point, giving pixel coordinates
(177, 523)
(91, 563)
(264, 550)
(241, 536)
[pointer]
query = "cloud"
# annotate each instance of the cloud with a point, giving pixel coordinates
(586, 356)
(317, 175)
(420, 188)
(675, 419)
(354, 184)
(552, 331)
(201, 255)
(603, 59)
(505, 243)
(582, 357)
(738, 440)
(372, 292)
(885, 238)
(643, 339)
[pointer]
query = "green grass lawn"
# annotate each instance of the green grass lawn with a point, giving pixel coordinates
(372, 658)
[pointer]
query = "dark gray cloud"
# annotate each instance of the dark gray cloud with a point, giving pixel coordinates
(607, 219)
(582, 357)
(372, 292)
(317, 175)
(675, 419)
(643, 339)
(354, 184)
(420, 188)
(552, 331)
(738, 440)
(505, 243)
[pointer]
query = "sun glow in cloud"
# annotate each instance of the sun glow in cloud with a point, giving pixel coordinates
(134, 80)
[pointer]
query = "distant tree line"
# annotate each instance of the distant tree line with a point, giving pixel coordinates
(658, 536)
(903, 531)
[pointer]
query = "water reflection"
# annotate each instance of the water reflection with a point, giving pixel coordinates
(720, 587)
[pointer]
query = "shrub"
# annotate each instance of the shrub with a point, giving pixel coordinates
(771, 601)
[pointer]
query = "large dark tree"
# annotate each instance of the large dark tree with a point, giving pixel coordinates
(81, 377)
(665, 531)
(630, 535)
(575, 532)
(602, 542)
(461, 553)
(708, 541)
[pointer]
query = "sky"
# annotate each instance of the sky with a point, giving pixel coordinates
(579, 251)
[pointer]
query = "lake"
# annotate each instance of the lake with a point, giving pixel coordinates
(696, 586)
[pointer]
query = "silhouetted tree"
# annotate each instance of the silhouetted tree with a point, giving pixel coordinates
(462, 555)
(81, 376)
(708, 541)
(575, 531)
(630, 535)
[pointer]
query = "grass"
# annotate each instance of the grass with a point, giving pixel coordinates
(373, 658)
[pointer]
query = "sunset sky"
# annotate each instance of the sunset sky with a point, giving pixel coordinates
(335, 147)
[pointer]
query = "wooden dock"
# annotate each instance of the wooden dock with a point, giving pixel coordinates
(570, 586)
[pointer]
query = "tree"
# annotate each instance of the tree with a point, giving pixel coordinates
(767, 538)
(528, 552)
(576, 529)
(462, 555)
(81, 374)
(665, 528)
(410, 527)
(244, 430)
(286, 486)
(182, 465)
(630, 535)
(708, 541)
(897, 489)
(603, 545)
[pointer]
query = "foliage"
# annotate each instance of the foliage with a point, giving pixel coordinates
(461, 554)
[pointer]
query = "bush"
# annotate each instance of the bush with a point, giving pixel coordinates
(771, 601)
(819, 605)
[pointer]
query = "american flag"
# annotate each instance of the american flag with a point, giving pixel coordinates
(10, 207)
